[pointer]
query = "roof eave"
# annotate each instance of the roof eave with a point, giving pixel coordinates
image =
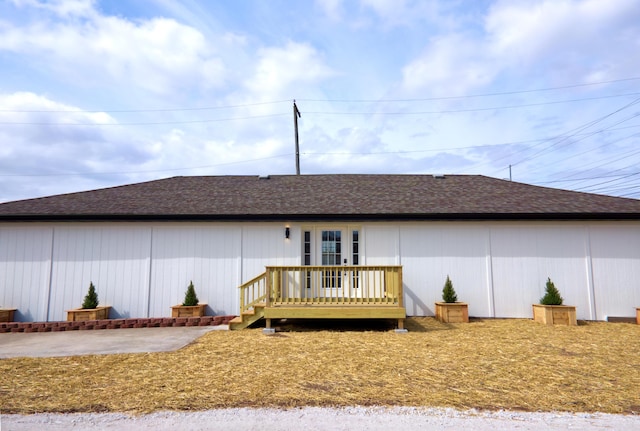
(319, 217)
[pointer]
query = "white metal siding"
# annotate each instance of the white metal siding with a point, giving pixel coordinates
(524, 256)
(615, 252)
(380, 244)
(264, 244)
(25, 264)
(141, 269)
(206, 254)
(114, 257)
(432, 251)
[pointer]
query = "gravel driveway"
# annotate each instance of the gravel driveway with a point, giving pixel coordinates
(312, 418)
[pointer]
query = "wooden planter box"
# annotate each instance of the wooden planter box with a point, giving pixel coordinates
(638, 315)
(452, 312)
(80, 314)
(555, 314)
(6, 314)
(188, 310)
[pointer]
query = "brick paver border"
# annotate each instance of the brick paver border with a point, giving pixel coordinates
(154, 322)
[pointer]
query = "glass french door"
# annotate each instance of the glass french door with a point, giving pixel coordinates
(331, 254)
(332, 247)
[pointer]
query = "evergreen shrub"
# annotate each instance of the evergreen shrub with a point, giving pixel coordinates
(91, 299)
(190, 297)
(448, 292)
(551, 295)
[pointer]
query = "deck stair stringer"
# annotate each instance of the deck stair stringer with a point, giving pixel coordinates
(248, 318)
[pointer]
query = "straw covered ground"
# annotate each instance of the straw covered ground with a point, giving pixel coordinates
(511, 364)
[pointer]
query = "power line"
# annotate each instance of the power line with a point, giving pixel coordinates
(152, 123)
(142, 123)
(469, 147)
(455, 111)
(585, 135)
(574, 132)
(626, 195)
(586, 188)
(542, 141)
(72, 174)
(609, 161)
(107, 111)
(504, 93)
(272, 102)
(578, 179)
(618, 188)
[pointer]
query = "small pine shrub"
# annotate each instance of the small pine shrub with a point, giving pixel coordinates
(551, 295)
(91, 299)
(448, 292)
(190, 297)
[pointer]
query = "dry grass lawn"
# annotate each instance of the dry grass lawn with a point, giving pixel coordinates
(486, 364)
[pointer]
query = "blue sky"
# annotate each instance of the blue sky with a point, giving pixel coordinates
(101, 93)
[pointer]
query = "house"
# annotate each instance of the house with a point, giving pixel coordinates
(321, 240)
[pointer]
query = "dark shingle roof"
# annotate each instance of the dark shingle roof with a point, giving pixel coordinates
(289, 197)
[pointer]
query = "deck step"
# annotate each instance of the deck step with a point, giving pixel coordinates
(236, 319)
(247, 318)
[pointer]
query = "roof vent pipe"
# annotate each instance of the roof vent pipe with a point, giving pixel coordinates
(264, 177)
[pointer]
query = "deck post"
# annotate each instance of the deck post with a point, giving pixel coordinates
(400, 287)
(243, 306)
(269, 287)
(401, 329)
(268, 330)
(277, 287)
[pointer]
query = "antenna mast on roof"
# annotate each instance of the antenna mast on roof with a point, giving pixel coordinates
(296, 114)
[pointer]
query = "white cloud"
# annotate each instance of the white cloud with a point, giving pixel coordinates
(391, 10)
(280, 71)
(21, 106)
(407, 13)
(567, 36)
(160, 55)
(385, 14)
(64, 8)
(451, 66)
(333, 9)
(182, 152)
(564, 40)
(44, 137)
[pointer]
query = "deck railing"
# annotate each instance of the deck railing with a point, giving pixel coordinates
(324, 285)
(337, 285)
(253, 292)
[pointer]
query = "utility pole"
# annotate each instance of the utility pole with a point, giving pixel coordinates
(296, 114)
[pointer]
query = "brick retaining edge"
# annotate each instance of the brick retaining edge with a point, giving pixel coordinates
(153, 322)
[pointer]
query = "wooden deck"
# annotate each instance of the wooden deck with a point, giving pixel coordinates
(322, 292)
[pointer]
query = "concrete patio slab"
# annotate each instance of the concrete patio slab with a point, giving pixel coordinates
(72, 343)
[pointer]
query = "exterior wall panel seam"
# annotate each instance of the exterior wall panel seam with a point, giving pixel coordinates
(50, 281)
(150, 271)
(593, 314)
(490, 289)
